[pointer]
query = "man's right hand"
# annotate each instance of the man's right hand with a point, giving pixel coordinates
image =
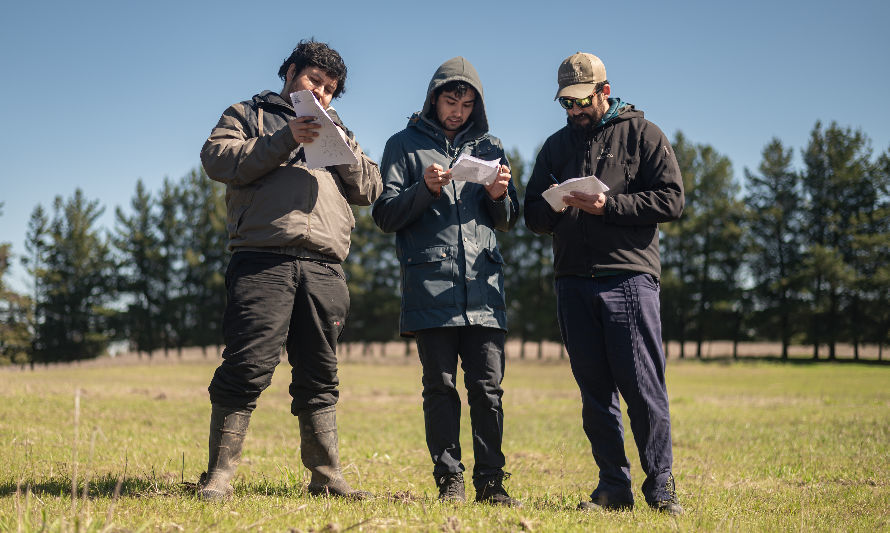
(435, 177)
(303, 129)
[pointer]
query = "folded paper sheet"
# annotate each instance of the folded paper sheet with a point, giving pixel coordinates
(330, 147)
(469, 168)
(587, 185)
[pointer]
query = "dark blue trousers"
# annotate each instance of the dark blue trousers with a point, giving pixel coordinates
(611, 327)
(481, 352)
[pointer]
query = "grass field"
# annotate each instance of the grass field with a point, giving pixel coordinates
(757, 445)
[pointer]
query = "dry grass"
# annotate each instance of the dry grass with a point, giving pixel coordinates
(757, 445)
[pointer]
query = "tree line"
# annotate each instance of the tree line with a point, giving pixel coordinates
(798, 254)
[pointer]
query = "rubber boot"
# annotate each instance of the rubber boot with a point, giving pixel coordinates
(318, 450)
(227, 429)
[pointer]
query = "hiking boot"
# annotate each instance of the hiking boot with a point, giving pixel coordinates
(491, 490)
(318, 450)
(227, 430)
(451, 487)
(605, 500)
(605, 506)
(668, 502)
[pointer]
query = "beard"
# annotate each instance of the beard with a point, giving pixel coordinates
(587, 125)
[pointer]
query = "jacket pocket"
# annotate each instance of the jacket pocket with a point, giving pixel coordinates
(238, 200)
(428, 278)
(494, 279)
(631, 167)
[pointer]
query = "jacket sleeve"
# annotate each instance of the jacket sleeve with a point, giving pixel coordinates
(234, 157)
(504, 212)
(361, 181)
(401, 202)
(660, 198)
(539, 216)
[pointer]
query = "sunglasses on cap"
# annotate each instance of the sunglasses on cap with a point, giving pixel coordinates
(568, 103)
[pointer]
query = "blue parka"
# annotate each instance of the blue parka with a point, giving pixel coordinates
(451, 267)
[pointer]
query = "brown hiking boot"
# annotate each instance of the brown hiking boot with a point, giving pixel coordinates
(227, 430)
(318, 450)
(491, 490)
(451, 487)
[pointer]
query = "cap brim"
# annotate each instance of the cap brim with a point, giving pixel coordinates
(578, 90)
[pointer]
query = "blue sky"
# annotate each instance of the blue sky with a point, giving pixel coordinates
(97, 95)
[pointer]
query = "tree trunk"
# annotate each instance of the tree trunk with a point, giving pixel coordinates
(785, 323)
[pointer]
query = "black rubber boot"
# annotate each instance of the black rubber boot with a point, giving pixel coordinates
(227, 430)
(318, 450)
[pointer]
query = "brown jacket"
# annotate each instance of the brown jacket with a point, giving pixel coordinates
(273, 200)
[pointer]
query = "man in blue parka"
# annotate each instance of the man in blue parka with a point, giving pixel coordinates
(451, 272)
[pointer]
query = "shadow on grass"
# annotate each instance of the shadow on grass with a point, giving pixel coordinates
(110, 486)
(103, 487)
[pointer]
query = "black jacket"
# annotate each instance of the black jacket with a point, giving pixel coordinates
(634, 158)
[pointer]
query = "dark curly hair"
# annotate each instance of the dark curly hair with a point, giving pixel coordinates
(312, 53)
(459, 88)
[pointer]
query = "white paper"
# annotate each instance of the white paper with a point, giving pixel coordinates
(586, 184)
(469, 168)
(330, 147)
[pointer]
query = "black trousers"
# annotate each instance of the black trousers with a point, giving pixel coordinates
(481, 352)
(276, 300)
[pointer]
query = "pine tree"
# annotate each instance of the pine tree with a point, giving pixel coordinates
(137, 270)
(774, 224)
(836, 183)
(15, 337)
(528, 274)
(74, 277)
(204, 240)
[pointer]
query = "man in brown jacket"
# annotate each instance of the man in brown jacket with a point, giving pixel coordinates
(289, 229)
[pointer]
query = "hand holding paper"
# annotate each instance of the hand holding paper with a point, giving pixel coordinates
(590, 185)
(329, 147)
(469, 168)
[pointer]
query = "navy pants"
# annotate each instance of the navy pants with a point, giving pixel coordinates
(481, 352)
(611, 327)
(276, 300)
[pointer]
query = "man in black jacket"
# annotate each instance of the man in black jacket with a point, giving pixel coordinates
(607, 270)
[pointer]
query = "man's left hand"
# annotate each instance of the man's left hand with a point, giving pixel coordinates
(498, 188)
(589, 203)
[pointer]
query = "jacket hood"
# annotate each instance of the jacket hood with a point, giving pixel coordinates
(456, 69)
(267, 98)
(618, 112)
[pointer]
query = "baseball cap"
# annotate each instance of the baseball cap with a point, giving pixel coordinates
(578, 75)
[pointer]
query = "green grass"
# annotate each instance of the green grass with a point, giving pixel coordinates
(757, 446)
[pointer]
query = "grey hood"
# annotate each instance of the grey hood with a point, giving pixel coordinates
(457, 69)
